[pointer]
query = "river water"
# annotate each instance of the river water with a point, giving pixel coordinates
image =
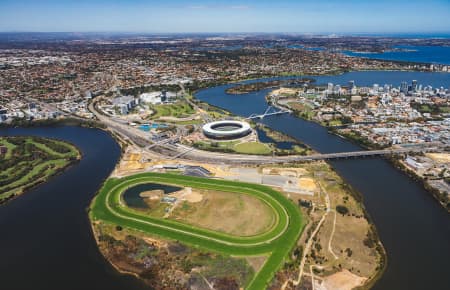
(421, 54)
(46, 242)
(413, 227)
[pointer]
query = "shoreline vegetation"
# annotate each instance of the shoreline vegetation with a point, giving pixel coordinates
(257, 86)
(70, 121)
(437, 195)
(364, 143)
(29, 161)
(278, 241)
(117, 235)
(122, 144)
(118, 244)
(372, 240)
(396, 162)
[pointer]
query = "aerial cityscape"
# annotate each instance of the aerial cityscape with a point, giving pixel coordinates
(225, 144)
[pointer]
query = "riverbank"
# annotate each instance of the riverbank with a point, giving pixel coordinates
(354, 136)
(69, 121)
(257, 86)
(325, 255)
(21, 173)
(163, 263)
(439, 196)
(398, 162)
(384, 187)
(310, 184)
(54, 215)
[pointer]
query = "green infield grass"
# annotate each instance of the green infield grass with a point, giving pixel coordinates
(275, 243)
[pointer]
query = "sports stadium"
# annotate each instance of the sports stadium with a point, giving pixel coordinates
(228, 129)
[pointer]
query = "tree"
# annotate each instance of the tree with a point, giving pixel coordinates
(343, 210)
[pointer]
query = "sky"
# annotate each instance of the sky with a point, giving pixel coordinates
(158, 16)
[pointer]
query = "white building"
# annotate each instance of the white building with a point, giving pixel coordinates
(157, 97)
(151, 98)
(125, 103)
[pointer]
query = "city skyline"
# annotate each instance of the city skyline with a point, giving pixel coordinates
(328, 16)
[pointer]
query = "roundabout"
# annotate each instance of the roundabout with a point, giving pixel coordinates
(275, 243)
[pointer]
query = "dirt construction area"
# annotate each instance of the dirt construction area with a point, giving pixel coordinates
(133, 160)
(439, 157)
(289, 179)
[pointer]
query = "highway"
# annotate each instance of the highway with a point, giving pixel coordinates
(168, 148)
(215, 157)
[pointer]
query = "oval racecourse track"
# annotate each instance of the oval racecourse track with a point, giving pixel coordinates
(276, 243)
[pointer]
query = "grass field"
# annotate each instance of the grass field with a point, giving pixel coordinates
(180, 109)
(31, 160)
(276, 243)
(229, 212)
(253, 148)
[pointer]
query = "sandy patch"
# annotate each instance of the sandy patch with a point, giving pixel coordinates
(152, 194)
(156, 243)
(439, 157)
(307, 183)
(132, 157)
(284, 91)
(192, 195)
(344, 280)
(292, 172)
(131, 166)
(130, 162)
(221, 171)
(188, 195)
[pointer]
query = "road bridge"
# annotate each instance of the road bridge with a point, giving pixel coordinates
(367, 153)
(216, 157)
(174, 150)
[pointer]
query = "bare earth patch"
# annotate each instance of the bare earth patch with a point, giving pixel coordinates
(232, 213)
(307, 183)
(343, 280)
(189, 194)
(439, 157)
(285, 171)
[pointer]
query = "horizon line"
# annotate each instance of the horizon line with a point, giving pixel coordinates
(228, 32)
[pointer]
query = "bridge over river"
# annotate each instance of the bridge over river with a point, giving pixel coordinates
(174, 150)
(269, 113)
(186, 152)
(366, 153)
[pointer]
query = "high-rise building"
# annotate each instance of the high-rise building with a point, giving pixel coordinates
(404, 87)
(337, 89)
(351, 85)
(375, 88)
(414, 86)
(330, 87)
(164, 96)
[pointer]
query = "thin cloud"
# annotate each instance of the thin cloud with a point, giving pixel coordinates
(230, 7)
(240, 7)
